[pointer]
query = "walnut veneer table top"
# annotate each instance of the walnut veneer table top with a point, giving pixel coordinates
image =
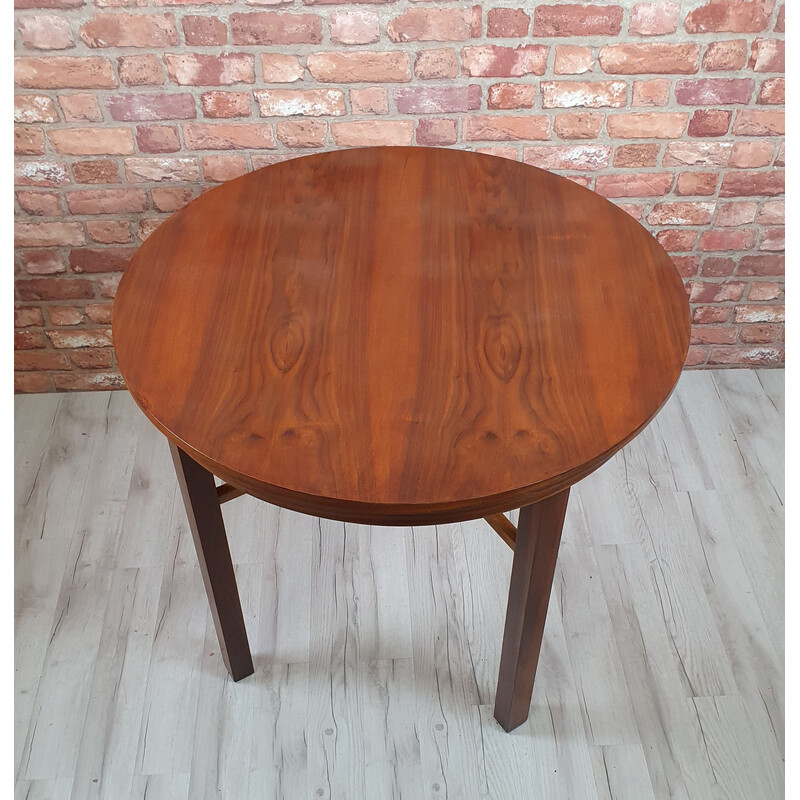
(401, 335)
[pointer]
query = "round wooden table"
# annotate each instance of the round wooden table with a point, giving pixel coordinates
(400, 336)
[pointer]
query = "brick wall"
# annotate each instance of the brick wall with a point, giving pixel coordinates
(127, 109)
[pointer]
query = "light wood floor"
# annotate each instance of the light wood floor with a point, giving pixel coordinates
(377, 650)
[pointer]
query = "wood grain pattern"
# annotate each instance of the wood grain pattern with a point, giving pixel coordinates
(401, 335)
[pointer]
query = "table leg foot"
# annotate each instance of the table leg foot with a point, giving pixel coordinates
(208, 531)
(536, 549)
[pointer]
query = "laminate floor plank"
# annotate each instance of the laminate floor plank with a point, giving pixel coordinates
(377, 649)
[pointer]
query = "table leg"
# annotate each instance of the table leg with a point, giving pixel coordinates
(535, 553)
(208, 531)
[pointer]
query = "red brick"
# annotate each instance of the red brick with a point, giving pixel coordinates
(229, 136)
(713, 334)
(583, 157)
(655, 58)
(506, 128)
(714, 91)
(436, 64)
(759, 122)
(759, 334)
(27, 317)
(759, 290)
(780, 23)
(773, 213)
(709, 315)
(780, 159)
(302, 132)
(223, 168)
(82, 107)
(369, 133)
(727, 240)
(712, 292)
(437, 132)
(157, 139)
(725, 55)
(85, 337)
(636, 155)
(587, 94)
(759, 314)
(34, 108)
(225, 104)
(64, 72)
(130, 30)
(54, 289)
(572, 59)
(278, 68)
(40, 173)
(270, 27)
(87, 382)
(92, 141)
(651, 93)
(437, 99)
(139, 170)
(354, 27)
(142, 70)
(45, 32)
(109, 231)
(693, 154)
(372, 100)
(686, 265)
(300, 102)
(654, 184)
(696, 183)
(676, 239)
(40, 361)
(91, 358)
(64, 315)
(717, 267)
(710, 122)
(109, 259)
(107, 201)
(577, 20)
(32, 382)
(772, 92)
(40, 204)
(29, 340)
(752, 184)
(108, 284)
(361, 67)
(171, 198)
(510, 153)
(696, 356)
(99, 313)
(199, 69)
(507, 23)
(28, 141)
(681, 214)
(432, 25)
(729, 16)
(752, 154)
(511, 95)
(42, 262)
(48, 234)
(581, 180)
(493, 61)
(761, 265)
(654, 19)
(204, 31)
(136, 107)
(647, 125)
(773, 239)
(585, 125)
(731, 215)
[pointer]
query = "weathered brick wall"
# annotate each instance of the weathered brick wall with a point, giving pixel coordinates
(127, 109)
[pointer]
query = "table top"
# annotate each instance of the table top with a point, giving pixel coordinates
(401, 335)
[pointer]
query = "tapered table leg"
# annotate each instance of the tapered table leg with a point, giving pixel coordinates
(208, 531)
(535, 553)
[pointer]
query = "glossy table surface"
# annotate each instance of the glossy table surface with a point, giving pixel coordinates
(401, 335)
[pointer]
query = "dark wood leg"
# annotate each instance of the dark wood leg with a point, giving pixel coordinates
(208, 531)
(536, 549)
